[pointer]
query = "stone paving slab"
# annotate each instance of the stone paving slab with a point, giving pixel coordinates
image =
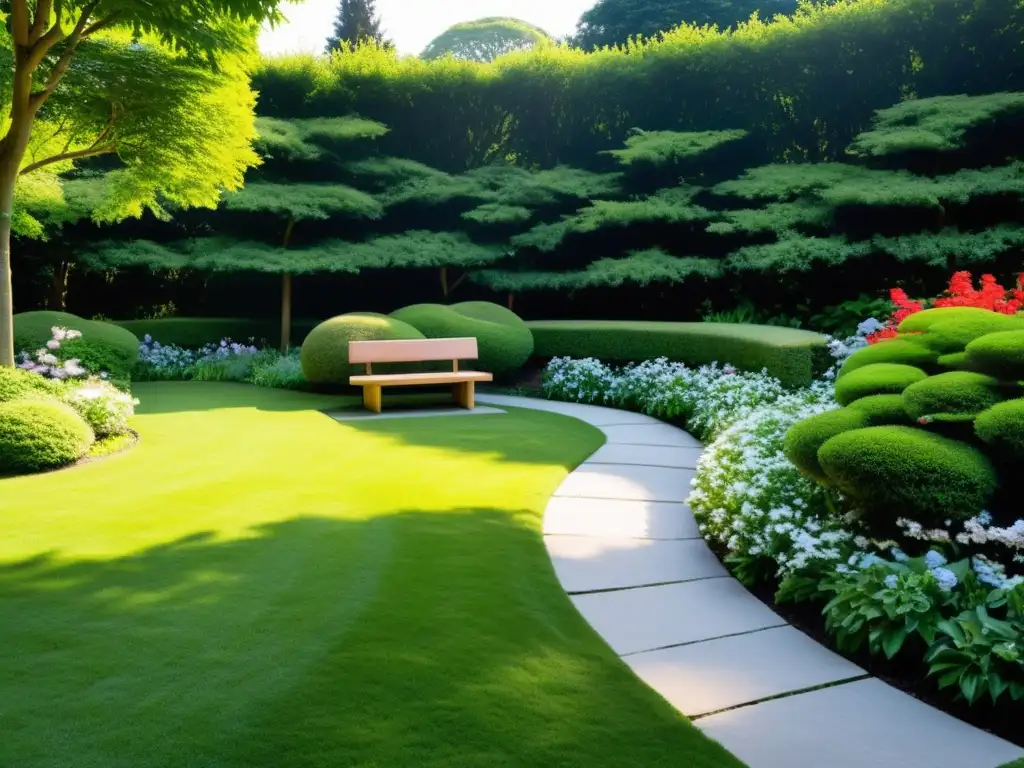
(586, 564)
(855, 725)
(730, 671)
(619, 517)
(650, 434)
(627, 481)
(647, 455)
(646, 618)
(419, 413)
(595, 415)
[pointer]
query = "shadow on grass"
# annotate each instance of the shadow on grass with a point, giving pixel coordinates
(412, 639)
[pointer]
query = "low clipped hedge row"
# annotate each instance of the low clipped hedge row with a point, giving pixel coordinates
(37, 435)
(196, 332)
(933, 423)
(791, 355)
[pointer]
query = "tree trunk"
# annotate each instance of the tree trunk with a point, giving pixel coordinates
(511, 300)
(6, 291)
(59, 287)
(444, 282)
(286, 294)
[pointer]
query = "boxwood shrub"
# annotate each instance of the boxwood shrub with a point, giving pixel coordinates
(877, 379)
(1000, 354)
(882, 410)
(954, 396)
(38, 435)
(805, 438)
(952, 336)
(897, 471)
(16, 384)
(196, 332)
(324, 355)
(902, 351)
(102, 347)
(1002, 427)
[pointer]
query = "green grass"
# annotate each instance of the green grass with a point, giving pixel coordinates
(792, 355)
(256, 584)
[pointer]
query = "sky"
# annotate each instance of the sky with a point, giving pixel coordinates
(414, 23)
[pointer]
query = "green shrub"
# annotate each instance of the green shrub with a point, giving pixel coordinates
(999, 354)
(504, 346)
(805, 438)
(894, 472)
(102, 347)
(902, 351)
(16, 384)
(877, 379)
(1002, 427)
(791, 355)
(36, 436)
(883, 410)
(324, 355)
(954, 335)
(924, 320)
(195, 332)
(954, 396)
(957, 361)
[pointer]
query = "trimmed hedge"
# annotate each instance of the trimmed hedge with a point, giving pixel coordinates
(952, 397)
(999, 354)
(793, 356)
(16, 384)
(504, 345)
(895, 472)
(877, 379)
(36, 436)
(953, 336)
(956, 361)
(102, 347)
(902, 351)
(195, 332)
(925, 319)
(1002, 427)
(324, 355)
(805, 438)
(883, 410)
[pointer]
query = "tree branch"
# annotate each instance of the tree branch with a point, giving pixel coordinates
(19, 22)
(61, 67)
(41, 19)
(80, 154)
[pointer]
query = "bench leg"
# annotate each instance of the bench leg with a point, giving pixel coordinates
(372, 398)
(465, 394)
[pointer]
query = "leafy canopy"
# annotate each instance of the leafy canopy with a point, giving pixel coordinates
(311, 139)
(300, 202)
(485, 40)
(659, 148)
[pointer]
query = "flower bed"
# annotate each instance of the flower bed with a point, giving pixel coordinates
(944, 598)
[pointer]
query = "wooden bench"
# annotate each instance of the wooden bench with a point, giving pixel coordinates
(415, 351)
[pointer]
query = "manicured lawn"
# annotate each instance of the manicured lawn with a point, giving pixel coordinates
(258, 585)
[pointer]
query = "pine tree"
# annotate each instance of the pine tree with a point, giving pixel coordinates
(357, 21)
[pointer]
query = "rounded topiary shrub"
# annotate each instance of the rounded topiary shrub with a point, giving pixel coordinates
(893, 472)
(924, 320)
(102, 346)
(16, 384)
(882, 410)
(953, 396)
(902, 351)
(504, 344)
(877, 379)
(324, 355)
(1002, 427)
(36, 436)
(805, 438)
(1000, 354)
(957, 361)
(952, 336)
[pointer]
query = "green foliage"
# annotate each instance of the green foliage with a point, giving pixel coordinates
(877, 379)
(485, 39)
(309, 139)
(956, 361)
(774, 217)
(195, 332)
(919, 322)
(882, 410)
(356, 23)
(937, 248)
(300, 202)
(496, 213)
(905, 351)
(805, 438)
(1002, 427)
(952, 397)
(896, 471)
(951, 336)
(842, 319)
(279, 372)
(793, 356)
(324, 355)
(795, 253)
(102, 346)
(659, 148)
(504, 345)
(999, 354)
(383, 172)
(36, 436)
(788, 181)
(16, 384)
(936, 124)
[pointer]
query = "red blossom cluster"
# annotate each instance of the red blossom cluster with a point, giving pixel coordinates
(961, 293)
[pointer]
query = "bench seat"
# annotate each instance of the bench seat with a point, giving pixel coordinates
(419, 379)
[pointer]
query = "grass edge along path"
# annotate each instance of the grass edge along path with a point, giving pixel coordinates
(256, 584)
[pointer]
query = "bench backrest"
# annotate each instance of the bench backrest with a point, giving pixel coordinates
(412, 350)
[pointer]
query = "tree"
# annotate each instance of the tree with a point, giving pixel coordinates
(164, 90)
(614, 22)
(357, 21)
(485, 39)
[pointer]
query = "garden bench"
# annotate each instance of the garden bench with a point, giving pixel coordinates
(415, 351)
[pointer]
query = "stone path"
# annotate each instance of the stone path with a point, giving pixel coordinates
(628, 552)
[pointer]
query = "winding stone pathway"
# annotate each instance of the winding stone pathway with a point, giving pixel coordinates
(628, 552)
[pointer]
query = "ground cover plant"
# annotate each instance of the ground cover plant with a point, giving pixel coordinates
(256, 583)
